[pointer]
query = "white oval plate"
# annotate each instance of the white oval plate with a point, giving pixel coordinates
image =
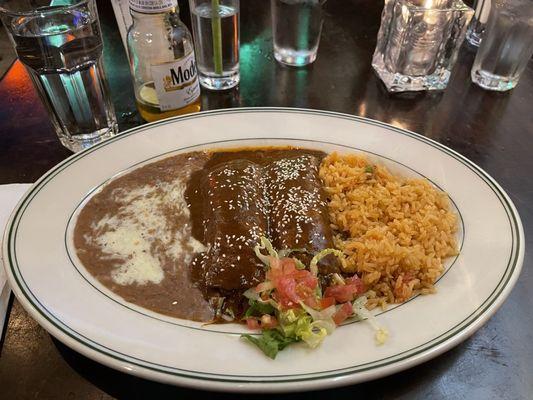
(54, 287)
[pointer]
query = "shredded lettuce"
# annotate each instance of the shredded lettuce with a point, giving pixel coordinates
(258, 309)
(265, 286)
(288, 252)
(270, 301)
(318, 326)
(313, 266)
(338, 279)
(228, 315)
(360, 311)
(254, 293)
(291, 320)
(318, 292)
(381, 336)
(265, 245)
(290, 316)
(323, 315)
(299, 324)
(299, 264)
(314, 334)
(270, 342)
(251, 294)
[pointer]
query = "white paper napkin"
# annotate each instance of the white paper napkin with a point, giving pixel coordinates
(9, 197)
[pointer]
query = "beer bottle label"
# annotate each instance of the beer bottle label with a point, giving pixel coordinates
(152, 6)
(176, 83)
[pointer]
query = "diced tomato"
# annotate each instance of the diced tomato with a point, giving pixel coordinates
(347, 292)
(298, 274)
(326, 302)
(274, 275)
(355, 280)
(292, 285)
(286, 291)
(307, 294)
(312, 302)
(344, 311)
(288, 265)
(341, 293)
(252, 323)
(303, 291)
(310, 281)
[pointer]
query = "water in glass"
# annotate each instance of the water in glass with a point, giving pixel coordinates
(507, 46)
(62, 52)
(296, 28)
(217, 54)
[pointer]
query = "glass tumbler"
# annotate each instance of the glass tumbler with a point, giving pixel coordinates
(507, 45)
(215, 26)
(418, 42)
(296, 29)
(61, 47)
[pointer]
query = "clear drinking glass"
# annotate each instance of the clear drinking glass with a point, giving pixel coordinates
(61, 47)
(216, 40)
(507, 45)
(296, 28)
(418, 42)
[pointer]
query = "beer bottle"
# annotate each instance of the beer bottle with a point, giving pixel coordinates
(162, 60)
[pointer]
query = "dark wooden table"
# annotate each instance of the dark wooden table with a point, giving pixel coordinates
(494, 130)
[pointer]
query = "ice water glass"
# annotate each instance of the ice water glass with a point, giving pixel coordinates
(418, 42)
(215, 26)
(507, 45)
(296, 29)
(61, 47)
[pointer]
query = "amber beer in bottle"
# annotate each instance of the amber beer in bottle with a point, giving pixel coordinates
(162, 60)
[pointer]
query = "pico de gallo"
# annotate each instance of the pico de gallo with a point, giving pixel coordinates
(291, 306)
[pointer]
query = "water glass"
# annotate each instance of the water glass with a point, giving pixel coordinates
(61, 47)
(418, 42)
(507, 45)
(215, 26)
(296, 28)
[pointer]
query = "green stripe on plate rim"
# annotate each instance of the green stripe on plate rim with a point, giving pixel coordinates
(56, 324)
